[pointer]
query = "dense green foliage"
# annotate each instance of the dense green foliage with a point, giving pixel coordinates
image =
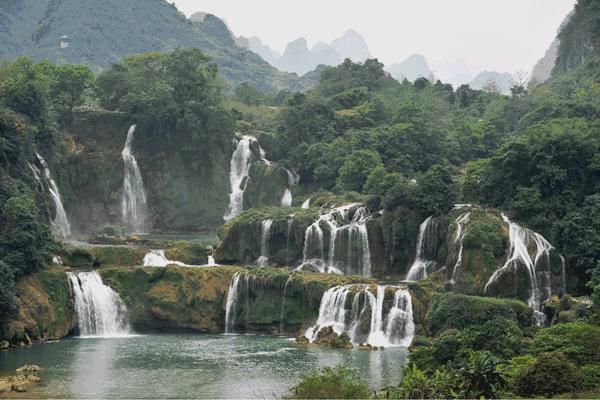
(339, 382)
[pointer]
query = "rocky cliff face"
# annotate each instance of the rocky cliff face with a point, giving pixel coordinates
(176, 298)
(45, 311)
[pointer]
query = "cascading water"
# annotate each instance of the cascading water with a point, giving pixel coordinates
(238, 176)
(133, 198)
(306, 204)
(368, 320)
(521, 239)
(461, 226)
(230, 306)
(282, 315)
(99, 309)
(157, 258)
(286, 200)
(60, 224)
(263, 260)
(421, 265)
(348, 242)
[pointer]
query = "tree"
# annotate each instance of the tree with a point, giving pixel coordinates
(7, 294)
(541, 377)
(356, 169)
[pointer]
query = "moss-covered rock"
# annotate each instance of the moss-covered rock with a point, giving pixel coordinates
(266, 185)
(241, 237)
(102, 256)
(45, 311)
(172, 298)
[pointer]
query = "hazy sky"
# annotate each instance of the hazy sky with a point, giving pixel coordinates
(502, 35)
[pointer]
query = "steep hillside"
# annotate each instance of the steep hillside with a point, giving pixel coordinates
(579, 37)
(103, 33)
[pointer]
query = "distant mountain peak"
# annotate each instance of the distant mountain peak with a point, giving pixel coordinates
(298, 58)
(413, 67)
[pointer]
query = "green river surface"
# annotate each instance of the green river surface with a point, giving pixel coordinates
(189, 366)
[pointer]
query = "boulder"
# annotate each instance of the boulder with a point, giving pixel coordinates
(4, 345)
(18, 387)
(29, 369)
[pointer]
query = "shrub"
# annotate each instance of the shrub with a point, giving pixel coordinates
(481, 377)
(550, 374)
(591, 376)
(579, 341)
(417, 384)
(339, 382)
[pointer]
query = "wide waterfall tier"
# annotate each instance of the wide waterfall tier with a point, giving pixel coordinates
(99, 309)
(255, 181)
(134, 208)
(60, 224)
(378, 315)
(529, 255)
(338, 242)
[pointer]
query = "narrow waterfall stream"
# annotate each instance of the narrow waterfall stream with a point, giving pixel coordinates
(133, 198)
(306, 204)
(521, 240)
(60, 224)
(364, 316)
(230, 306)
(238, 176)
(263, 260)
(420, 267)
(282, 315)
(99, 309)
(349, 251)
(461, 228)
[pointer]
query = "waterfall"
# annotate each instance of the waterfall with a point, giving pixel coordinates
(306, 204)
(344, 234)
(281, 316)
(421, 265)
(370, 319)
(230, 306)
(99, 309)
(238, 176)
(521, 239)
(286, 200)
(60, 224)
(157, 258)
(288, 236)
(211, 262)
(133, 198)
(263, 260)
(293, 179)
(461, 226)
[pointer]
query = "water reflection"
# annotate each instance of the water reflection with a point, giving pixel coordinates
(191, 366)
(92, 367)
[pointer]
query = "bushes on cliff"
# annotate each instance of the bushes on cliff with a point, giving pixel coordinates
(451, 310)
